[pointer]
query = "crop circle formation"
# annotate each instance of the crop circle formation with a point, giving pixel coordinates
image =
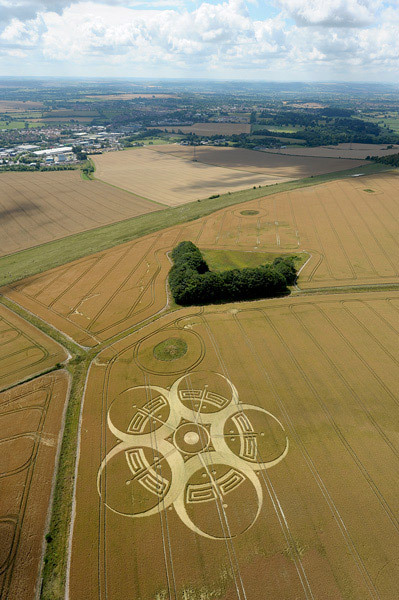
(194, 448)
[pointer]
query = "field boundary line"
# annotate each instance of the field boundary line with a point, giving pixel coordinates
(42, 325)
(34, 260)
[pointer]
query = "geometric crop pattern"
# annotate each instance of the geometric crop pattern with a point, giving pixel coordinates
(174, 451)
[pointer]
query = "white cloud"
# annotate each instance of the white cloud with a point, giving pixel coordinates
(320, 38)
(331, 13)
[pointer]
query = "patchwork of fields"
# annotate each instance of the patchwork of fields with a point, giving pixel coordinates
(347, 227)
(167, 179)
(36, 208)
(30, 426)
(234, 452)
(210, 128)
(262, 462)
(260, 162)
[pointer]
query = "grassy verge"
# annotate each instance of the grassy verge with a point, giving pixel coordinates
(46, 256)
(222, 260)
(56, 555)
(56, 335)
(347, 289)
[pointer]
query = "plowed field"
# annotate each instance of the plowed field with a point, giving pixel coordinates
(348, 227)
(24, 350)
(261, 462)
(39, 207)
(30, 425)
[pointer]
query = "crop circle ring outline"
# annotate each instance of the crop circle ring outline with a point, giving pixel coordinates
(185, 443)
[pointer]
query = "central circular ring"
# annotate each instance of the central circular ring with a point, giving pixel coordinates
(191, 438)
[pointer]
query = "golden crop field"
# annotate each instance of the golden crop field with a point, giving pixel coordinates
(24, 351)
(172, 181)
(355, 151)
(31, 422)
(36, 208)
(348, 228)
(246, 451)
(260, 162)
(210, 128)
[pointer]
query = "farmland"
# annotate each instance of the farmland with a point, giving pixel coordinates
(259, 462)
(233, 452)
(168, 173)
(31, 422)
(36, 208)
(260, 162)
(171, 181)
(346, 151)
(205, 129)
(24, 351)
(106, 293)
(227, 451)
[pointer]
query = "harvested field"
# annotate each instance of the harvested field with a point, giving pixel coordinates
(260, 162)
(349, 227)
(168, 174)
(39, 207)
(24, 350)
(345, 151)
(260, 463)
(210, 128)
(31, 422)
(170, 180)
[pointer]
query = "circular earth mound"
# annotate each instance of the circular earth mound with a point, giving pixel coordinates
(249, 212)
(170, 349)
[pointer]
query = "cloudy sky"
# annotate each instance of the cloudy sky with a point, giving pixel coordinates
(285, 40)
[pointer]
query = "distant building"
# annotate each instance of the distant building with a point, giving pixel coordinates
(53, 151)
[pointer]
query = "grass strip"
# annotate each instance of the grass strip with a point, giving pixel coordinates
(56, 555)
(53, 333)
(346, 289)
(14, 267)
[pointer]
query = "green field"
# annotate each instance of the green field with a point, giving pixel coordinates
(17, 124)
(391, 121)
(276, 128)
(223, 260)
